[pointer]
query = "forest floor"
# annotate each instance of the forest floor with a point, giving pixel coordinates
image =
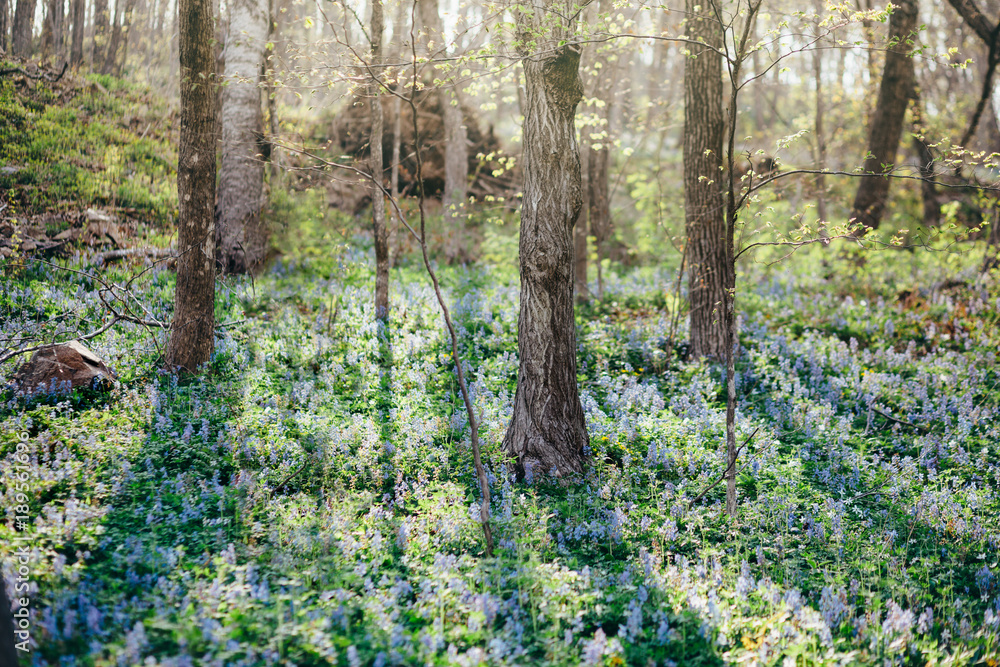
(310, 499)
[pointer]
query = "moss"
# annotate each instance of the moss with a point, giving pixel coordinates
(103, 143)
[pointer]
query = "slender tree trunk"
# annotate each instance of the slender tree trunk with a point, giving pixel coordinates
(606, 66)
(101, 23)
(887, 120)
(113, 41)
(52, 29)
(79, 24)
(820, 133)
(456, 155)
(547, 431)
(456, 152)
(24, 20)
(114, 59)
(4, 24)
(704, 208)
(399, 35)
(379, 227)
(928, 192)
(128, 21)
(243, 236)
(193, 327)
(580, 242)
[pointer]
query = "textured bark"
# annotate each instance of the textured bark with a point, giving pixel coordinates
(547, 431)
(709, 272)
(79, 25)
(243, 235)
(193, 327)
(379, 227)
(24, 20)
(887, 121)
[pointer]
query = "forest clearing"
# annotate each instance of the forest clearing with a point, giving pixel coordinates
(470, 334)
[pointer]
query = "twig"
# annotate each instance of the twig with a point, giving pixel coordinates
(726, 471)
(291, 475)
(45, 76)
(7, 355)
(113, 255)
(902, 422)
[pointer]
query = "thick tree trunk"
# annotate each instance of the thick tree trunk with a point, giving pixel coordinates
(547, 431)
(704, 209)
(24, 20)
(193, 327)
(243, 235)
(79, 25)
(379, 227)
(887, 120)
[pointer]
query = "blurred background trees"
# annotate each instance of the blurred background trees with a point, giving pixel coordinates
(832, 92)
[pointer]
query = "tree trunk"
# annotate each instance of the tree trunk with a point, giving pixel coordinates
(456, 152)
(600, 209)
(704, 208)
(456, 155)
(928, 192)
(52, 29)
(580, 242)
(547, 431)
(193, 327)
(114, 59)
(820, 134)
(379, 228)
(24, 20)
(4, 24)
(887, 120)
(79, 25)
(101, 23)
(243, 235)
(606, 66)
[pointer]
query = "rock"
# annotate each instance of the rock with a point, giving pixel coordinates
(94, 215)
(71, 234)
(63, 362)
